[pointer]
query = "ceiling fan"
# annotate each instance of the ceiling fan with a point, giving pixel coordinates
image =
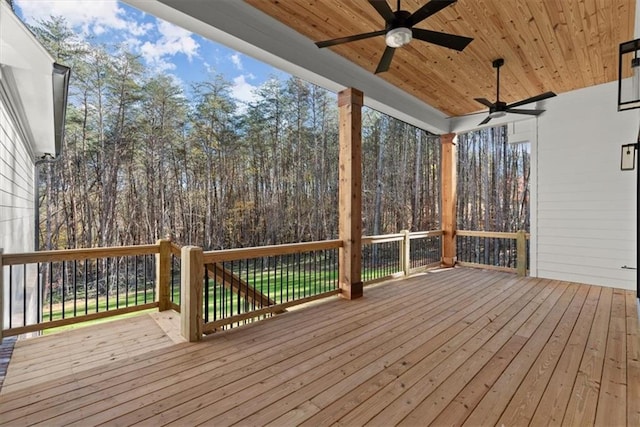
(399, 30)
(500, 108)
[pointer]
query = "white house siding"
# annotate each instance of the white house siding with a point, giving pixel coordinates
(583, 207)
(17, 216)
(17, 210)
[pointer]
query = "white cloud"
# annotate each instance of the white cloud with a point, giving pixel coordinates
(242, 90)
(235, 58)
(173, 40)
(94, 18)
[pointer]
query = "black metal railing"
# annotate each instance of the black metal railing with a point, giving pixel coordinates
(505, 251)
(174, 278)
(55, 288)
(381, 256)
(425, 249)
(240, 287)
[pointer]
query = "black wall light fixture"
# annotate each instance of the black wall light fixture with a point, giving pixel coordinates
(629, 94)
(628, 157)
(629, 66)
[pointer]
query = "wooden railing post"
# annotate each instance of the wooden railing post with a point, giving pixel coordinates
(163, 274)
(521, 253)
(448, 196)
(405, 253)
(192, 277)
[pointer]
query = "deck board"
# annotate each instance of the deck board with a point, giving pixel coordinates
(452, 347)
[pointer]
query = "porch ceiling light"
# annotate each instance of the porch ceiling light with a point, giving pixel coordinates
(398, 37)
(496, 114)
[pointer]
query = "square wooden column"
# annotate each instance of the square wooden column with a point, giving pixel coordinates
(448, 202)
(350, 193)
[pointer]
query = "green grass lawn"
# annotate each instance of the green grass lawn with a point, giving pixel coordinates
(279, 285)
(83, 306)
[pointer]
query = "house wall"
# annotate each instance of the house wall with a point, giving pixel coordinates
(17, 204)
(17, 213)
(584, 208)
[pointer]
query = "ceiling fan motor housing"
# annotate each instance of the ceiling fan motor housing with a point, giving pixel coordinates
(401, 20)
(398, 31)
(499, 106)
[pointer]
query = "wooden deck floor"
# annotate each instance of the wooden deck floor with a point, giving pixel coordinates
(459, 346)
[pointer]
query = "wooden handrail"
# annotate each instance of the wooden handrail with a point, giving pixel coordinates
(424, 234)
(77, 254)
(489, 234)
(211, 257)
(382, 238)
(175, 249)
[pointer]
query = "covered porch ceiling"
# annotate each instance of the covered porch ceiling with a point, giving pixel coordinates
(547, 45)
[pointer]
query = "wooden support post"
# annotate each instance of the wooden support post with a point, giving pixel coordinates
(350, 192)
(163, 274)
(192, 277)
(405, 253)
(448, 190)
(521, 253)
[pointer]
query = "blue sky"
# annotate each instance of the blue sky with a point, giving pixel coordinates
(162, 46)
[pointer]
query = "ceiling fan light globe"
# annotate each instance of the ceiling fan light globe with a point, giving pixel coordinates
(398, 37)
(496, 114)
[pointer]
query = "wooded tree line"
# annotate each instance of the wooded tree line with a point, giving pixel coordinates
(493, 182)
(143, 159)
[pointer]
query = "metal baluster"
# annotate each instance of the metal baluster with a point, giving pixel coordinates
(97, 285)
(86, 290)
(144, 265)
(206, 294)
(135, 266)
(107, 260)
(24, 294)
(75, 288)
(50, 291)
(117, 282)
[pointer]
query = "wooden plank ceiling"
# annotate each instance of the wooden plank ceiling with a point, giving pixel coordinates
(548, 45)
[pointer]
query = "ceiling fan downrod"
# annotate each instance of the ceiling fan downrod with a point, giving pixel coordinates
(497, 63)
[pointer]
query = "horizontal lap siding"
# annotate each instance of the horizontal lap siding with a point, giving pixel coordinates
(585, 207)
(17, 195)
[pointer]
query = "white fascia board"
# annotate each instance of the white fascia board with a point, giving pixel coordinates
(245, 29)
(27, 77)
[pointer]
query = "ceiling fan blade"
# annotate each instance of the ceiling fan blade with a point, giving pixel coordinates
(532, 99)
(485, 121)
(427, 10)
(383, 9)
(348, 39)
(530, 112)
(385, 61)
(451, 41)
(485, 101)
